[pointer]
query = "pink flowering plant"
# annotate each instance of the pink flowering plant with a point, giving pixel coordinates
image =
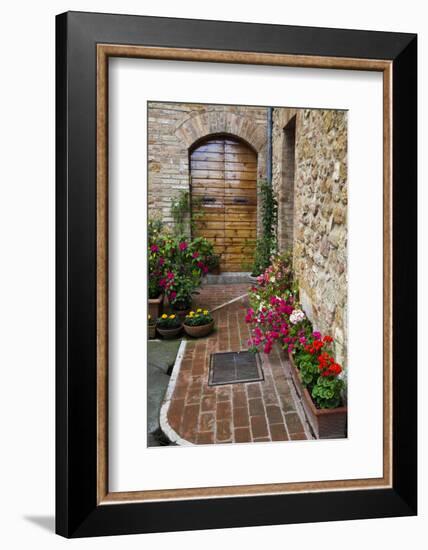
(278, 277)
(276, 317)
(176, 265)
(276, 322)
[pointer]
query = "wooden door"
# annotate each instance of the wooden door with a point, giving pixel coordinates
(224, 199)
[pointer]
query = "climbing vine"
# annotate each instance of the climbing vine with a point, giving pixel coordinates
(266, 244)
(180, 212)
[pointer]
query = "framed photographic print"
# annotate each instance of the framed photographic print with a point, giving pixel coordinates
(236, 274)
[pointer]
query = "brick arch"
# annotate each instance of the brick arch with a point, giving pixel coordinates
(214, 123)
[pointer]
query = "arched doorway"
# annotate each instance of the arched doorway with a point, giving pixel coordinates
(224, 199)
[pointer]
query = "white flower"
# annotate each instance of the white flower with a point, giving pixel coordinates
(296, 316)
(272, 279)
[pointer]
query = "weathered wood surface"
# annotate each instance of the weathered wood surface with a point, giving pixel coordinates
(224, 199)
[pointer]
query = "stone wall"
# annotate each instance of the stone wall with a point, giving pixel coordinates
(314, 217)
(173, 128)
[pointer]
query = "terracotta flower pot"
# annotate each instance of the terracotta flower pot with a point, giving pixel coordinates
(169, 333)
(325, 423)
(199, 331)
(155, 306)
(152, 331)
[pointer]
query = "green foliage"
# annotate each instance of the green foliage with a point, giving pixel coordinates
(327, 392)
(204, 247)
(276, 280)
(308, 367)
(267, 243)
(180, 212)
(213, 261)
(168, 321)
(198, 318)
(155, 227)
(154, 289)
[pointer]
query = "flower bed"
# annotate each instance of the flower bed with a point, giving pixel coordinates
(276, 317)
(325, 423)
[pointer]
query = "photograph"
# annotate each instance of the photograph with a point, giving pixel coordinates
(247, 273)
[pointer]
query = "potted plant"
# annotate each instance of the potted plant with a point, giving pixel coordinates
(169, 326)
(179, 288)
(198, 323)
(152, 327)
(315, 374)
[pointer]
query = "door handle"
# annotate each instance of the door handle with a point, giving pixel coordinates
(240, 200)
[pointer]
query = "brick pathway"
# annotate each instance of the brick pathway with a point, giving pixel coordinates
(212, 296)
(234, 413)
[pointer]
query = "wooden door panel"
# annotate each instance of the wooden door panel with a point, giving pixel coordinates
(224, 199)
(210, 165)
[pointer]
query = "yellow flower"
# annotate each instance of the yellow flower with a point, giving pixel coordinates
(192, 313)
(164, 316)
(172, 316)
(198, 310)
(206, 312)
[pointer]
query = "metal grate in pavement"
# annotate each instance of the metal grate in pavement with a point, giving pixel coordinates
(234, 367)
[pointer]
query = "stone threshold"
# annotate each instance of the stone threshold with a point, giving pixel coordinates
(227, 278)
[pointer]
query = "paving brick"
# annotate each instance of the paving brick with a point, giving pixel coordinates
(208, 390)
(253, 390)
(274, 414)
(198, 365)
(190, 421)
(241, 417)
(180, 391)
(175, 413)
(204, 438)
(224, 410)
(224, 432)
(270, 397)
(193, 396)
(239, 397)
(299, 435)
(256, 407)
(294, 424)
(259, 426)
(242, 435)
(208, 403)
(207, 422)
(223, 393)
(278, 432)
